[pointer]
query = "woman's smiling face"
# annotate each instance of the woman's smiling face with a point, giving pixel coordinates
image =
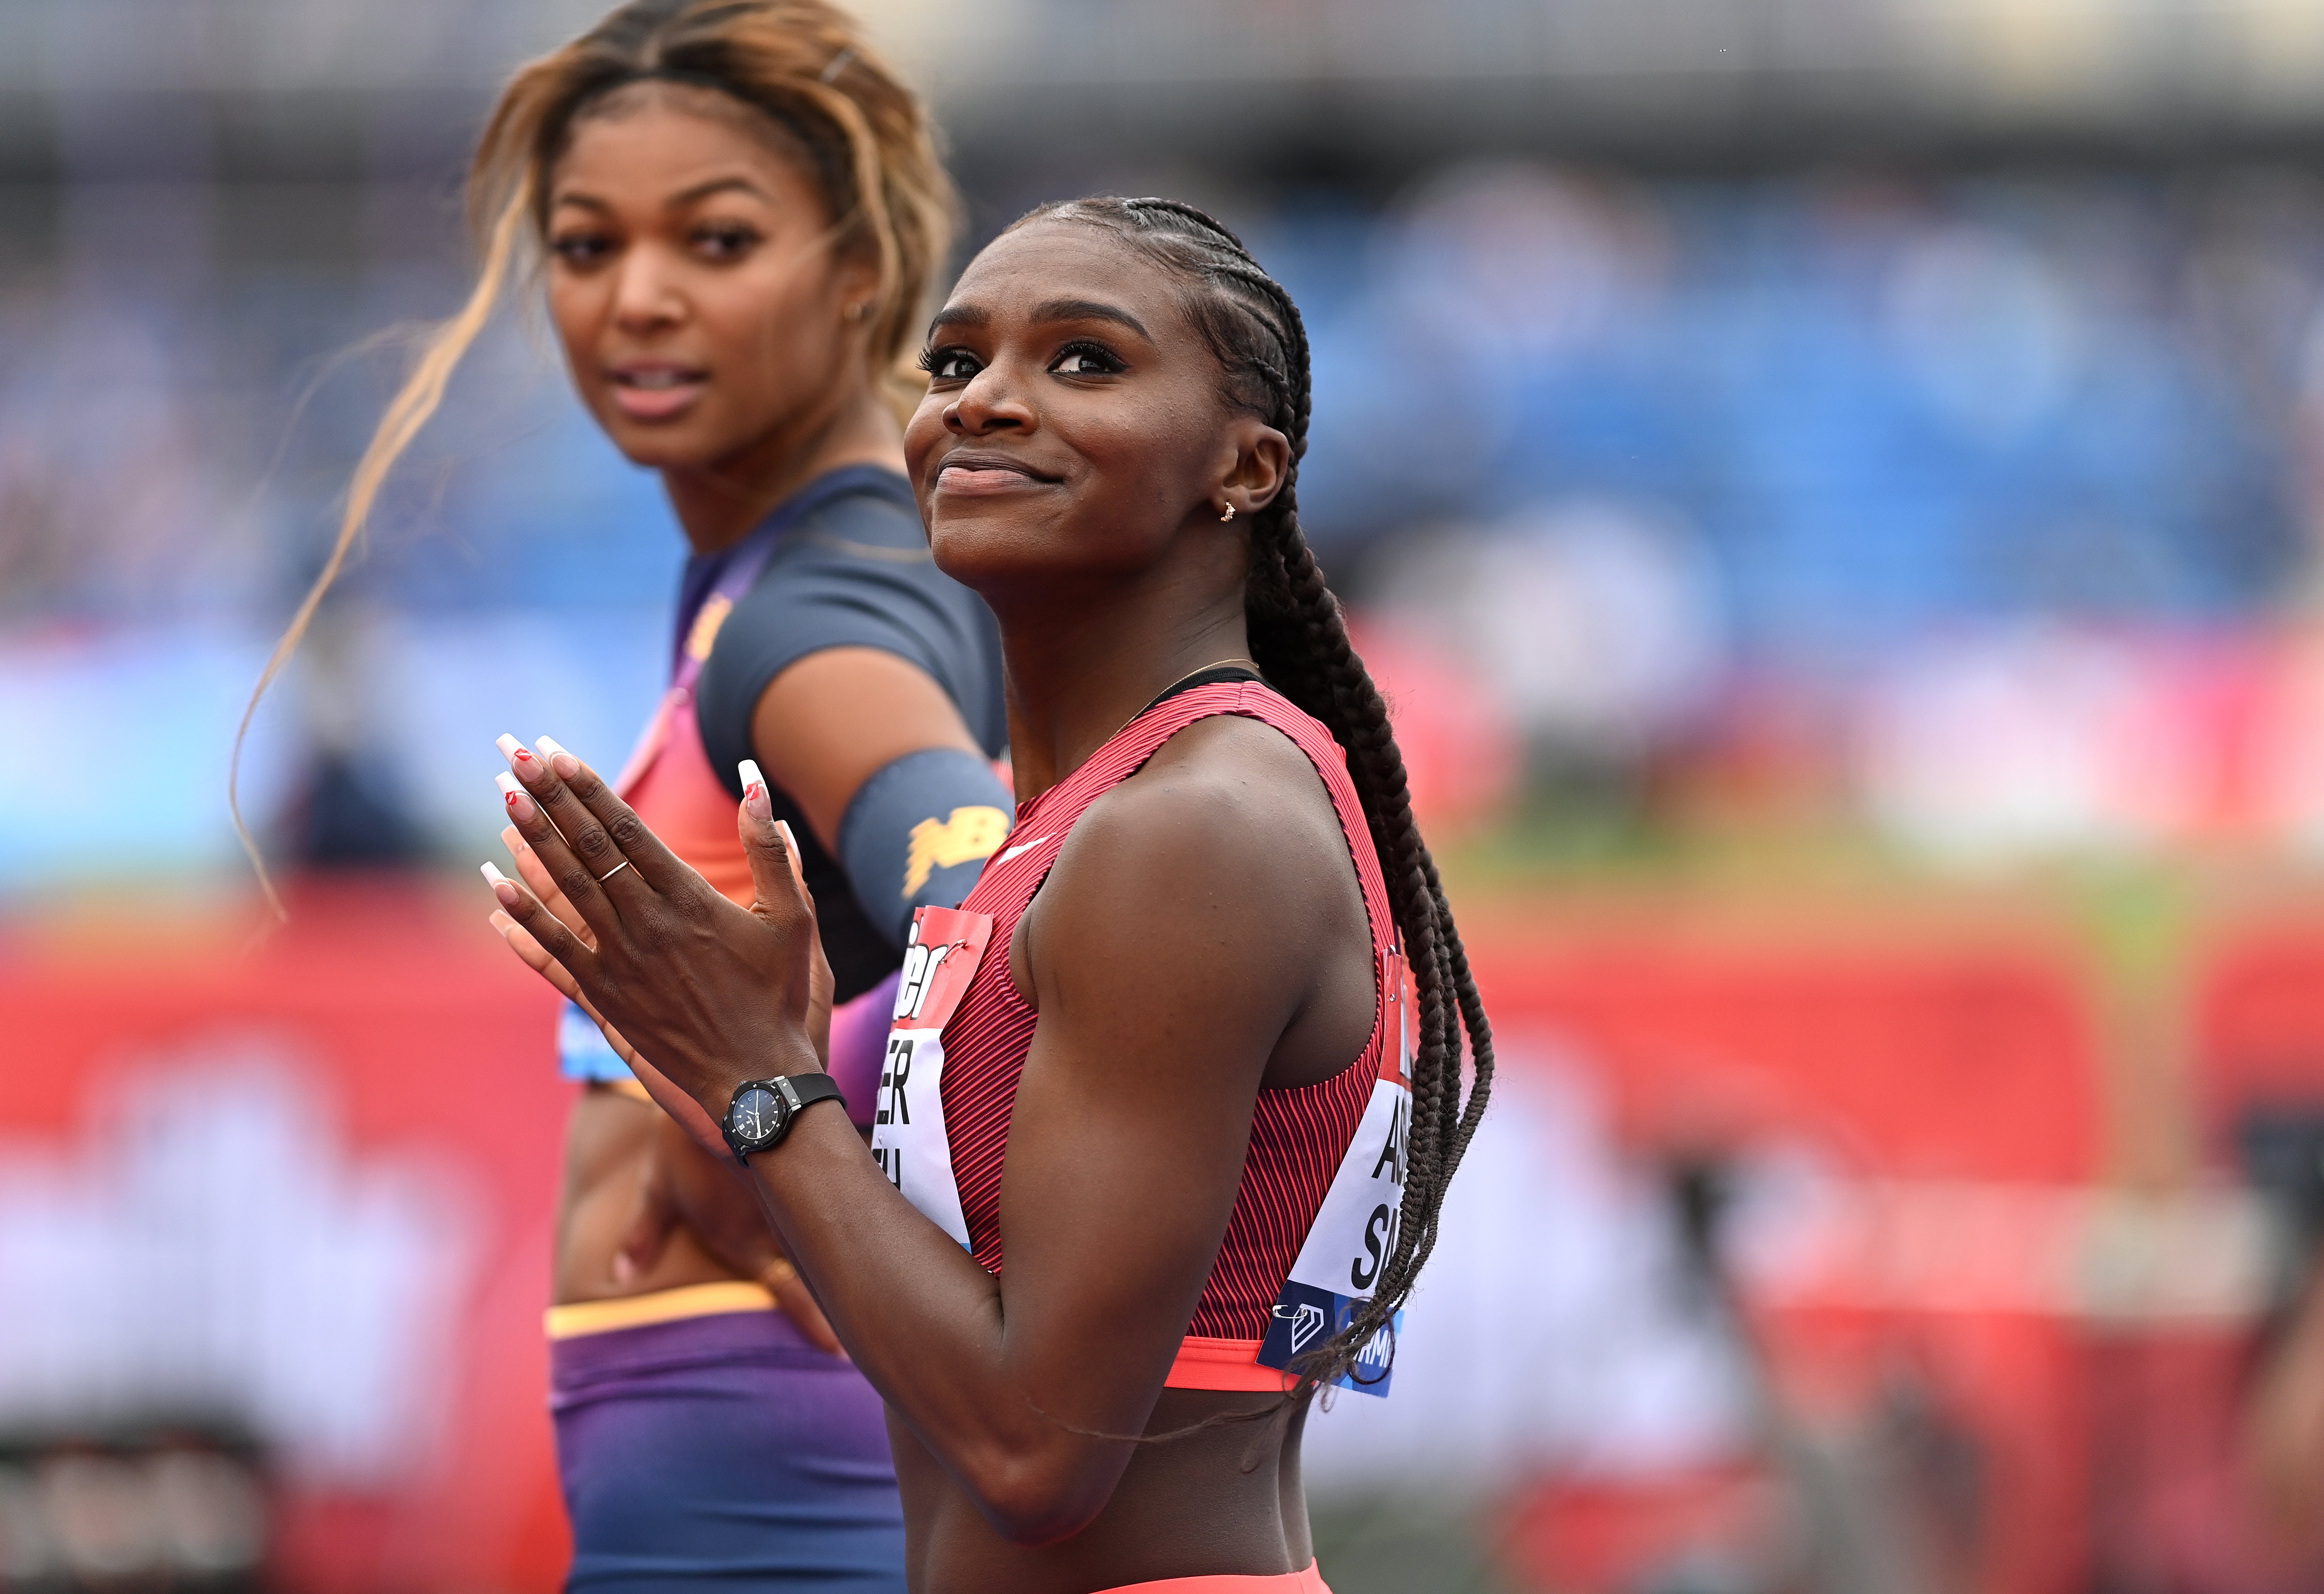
(1076, 420)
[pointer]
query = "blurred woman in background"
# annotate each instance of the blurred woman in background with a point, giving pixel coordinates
(737, 208)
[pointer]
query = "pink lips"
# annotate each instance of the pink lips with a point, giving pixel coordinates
(981, 480)
(656, 391)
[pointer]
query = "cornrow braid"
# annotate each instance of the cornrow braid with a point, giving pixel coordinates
(1299, 638)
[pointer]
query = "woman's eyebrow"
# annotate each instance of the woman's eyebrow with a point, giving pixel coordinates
(699, 191)
(1055, 310)
(716, 184)
(1089, 310)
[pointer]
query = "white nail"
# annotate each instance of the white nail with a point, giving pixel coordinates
(508, 783)
(493, 875)
(548, 744)
(507, 744)
(749, 769)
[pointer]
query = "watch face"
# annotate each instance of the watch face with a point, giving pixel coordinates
(758, 1116)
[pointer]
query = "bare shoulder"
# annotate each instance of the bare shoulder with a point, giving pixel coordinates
(1240, 763)
(1211, 891)
(1228, 808)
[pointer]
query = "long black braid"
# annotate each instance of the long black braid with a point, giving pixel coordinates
(1299, 638)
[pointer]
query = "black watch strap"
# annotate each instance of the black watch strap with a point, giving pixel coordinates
(805, 1090)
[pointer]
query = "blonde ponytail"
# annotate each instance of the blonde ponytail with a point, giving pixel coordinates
(414, 404)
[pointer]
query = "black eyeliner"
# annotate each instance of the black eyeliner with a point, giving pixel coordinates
(1083, 345)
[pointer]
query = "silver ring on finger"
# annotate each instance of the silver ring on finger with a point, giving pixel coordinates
(610, 874)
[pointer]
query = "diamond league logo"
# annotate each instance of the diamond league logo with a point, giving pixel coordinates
(1307, 1323)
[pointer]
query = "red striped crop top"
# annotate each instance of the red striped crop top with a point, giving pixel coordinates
(977, 1048)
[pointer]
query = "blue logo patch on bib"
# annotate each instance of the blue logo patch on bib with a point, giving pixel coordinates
(1305, 1320)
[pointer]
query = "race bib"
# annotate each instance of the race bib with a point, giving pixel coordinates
(1339, 1265)
(909, 1140)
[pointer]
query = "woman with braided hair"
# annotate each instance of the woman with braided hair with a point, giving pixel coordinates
(1163, 1131)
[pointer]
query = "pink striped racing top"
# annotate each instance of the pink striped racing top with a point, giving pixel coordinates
(961, 1027)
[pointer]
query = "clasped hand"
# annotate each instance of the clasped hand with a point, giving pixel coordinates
(697, 993)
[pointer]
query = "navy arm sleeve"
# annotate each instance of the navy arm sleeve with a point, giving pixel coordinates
(856, 573)
(918, 832)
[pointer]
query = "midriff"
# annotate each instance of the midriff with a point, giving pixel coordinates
(1223, 1499)
(609, 1146)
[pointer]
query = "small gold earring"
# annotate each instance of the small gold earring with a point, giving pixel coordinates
(1228, 516)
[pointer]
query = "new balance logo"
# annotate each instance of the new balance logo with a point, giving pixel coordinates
(706, 622)
(970, 834)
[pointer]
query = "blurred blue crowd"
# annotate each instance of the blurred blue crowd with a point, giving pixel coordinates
(1703, 426)
(1879, 404)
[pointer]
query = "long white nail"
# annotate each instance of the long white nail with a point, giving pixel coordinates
(563, 764)
(493, 875)
(514, 752)
(508, 784)
(754, 790)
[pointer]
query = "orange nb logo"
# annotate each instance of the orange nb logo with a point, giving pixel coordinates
(970, 834)
(706, 622)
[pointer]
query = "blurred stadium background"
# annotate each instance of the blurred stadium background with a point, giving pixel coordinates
(1835, 487)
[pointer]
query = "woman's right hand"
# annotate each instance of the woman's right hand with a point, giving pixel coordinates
(705, 994)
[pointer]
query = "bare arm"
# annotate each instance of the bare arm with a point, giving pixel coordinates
(1175, 944)
(833, 720)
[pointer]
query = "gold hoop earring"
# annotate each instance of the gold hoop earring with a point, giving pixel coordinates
(1228, 516)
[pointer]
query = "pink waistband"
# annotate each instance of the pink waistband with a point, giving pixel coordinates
(1309, 1582)
(1225, 1364)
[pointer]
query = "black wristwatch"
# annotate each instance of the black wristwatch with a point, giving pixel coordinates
(762, 1111)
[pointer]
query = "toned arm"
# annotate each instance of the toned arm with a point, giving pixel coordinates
(833, 720)
(822, 727)
(1176, 956)
(1201, 935)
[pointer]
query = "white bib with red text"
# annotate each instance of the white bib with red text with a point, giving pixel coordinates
(907, 1129)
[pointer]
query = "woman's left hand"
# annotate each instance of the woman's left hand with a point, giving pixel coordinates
(705, 994)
